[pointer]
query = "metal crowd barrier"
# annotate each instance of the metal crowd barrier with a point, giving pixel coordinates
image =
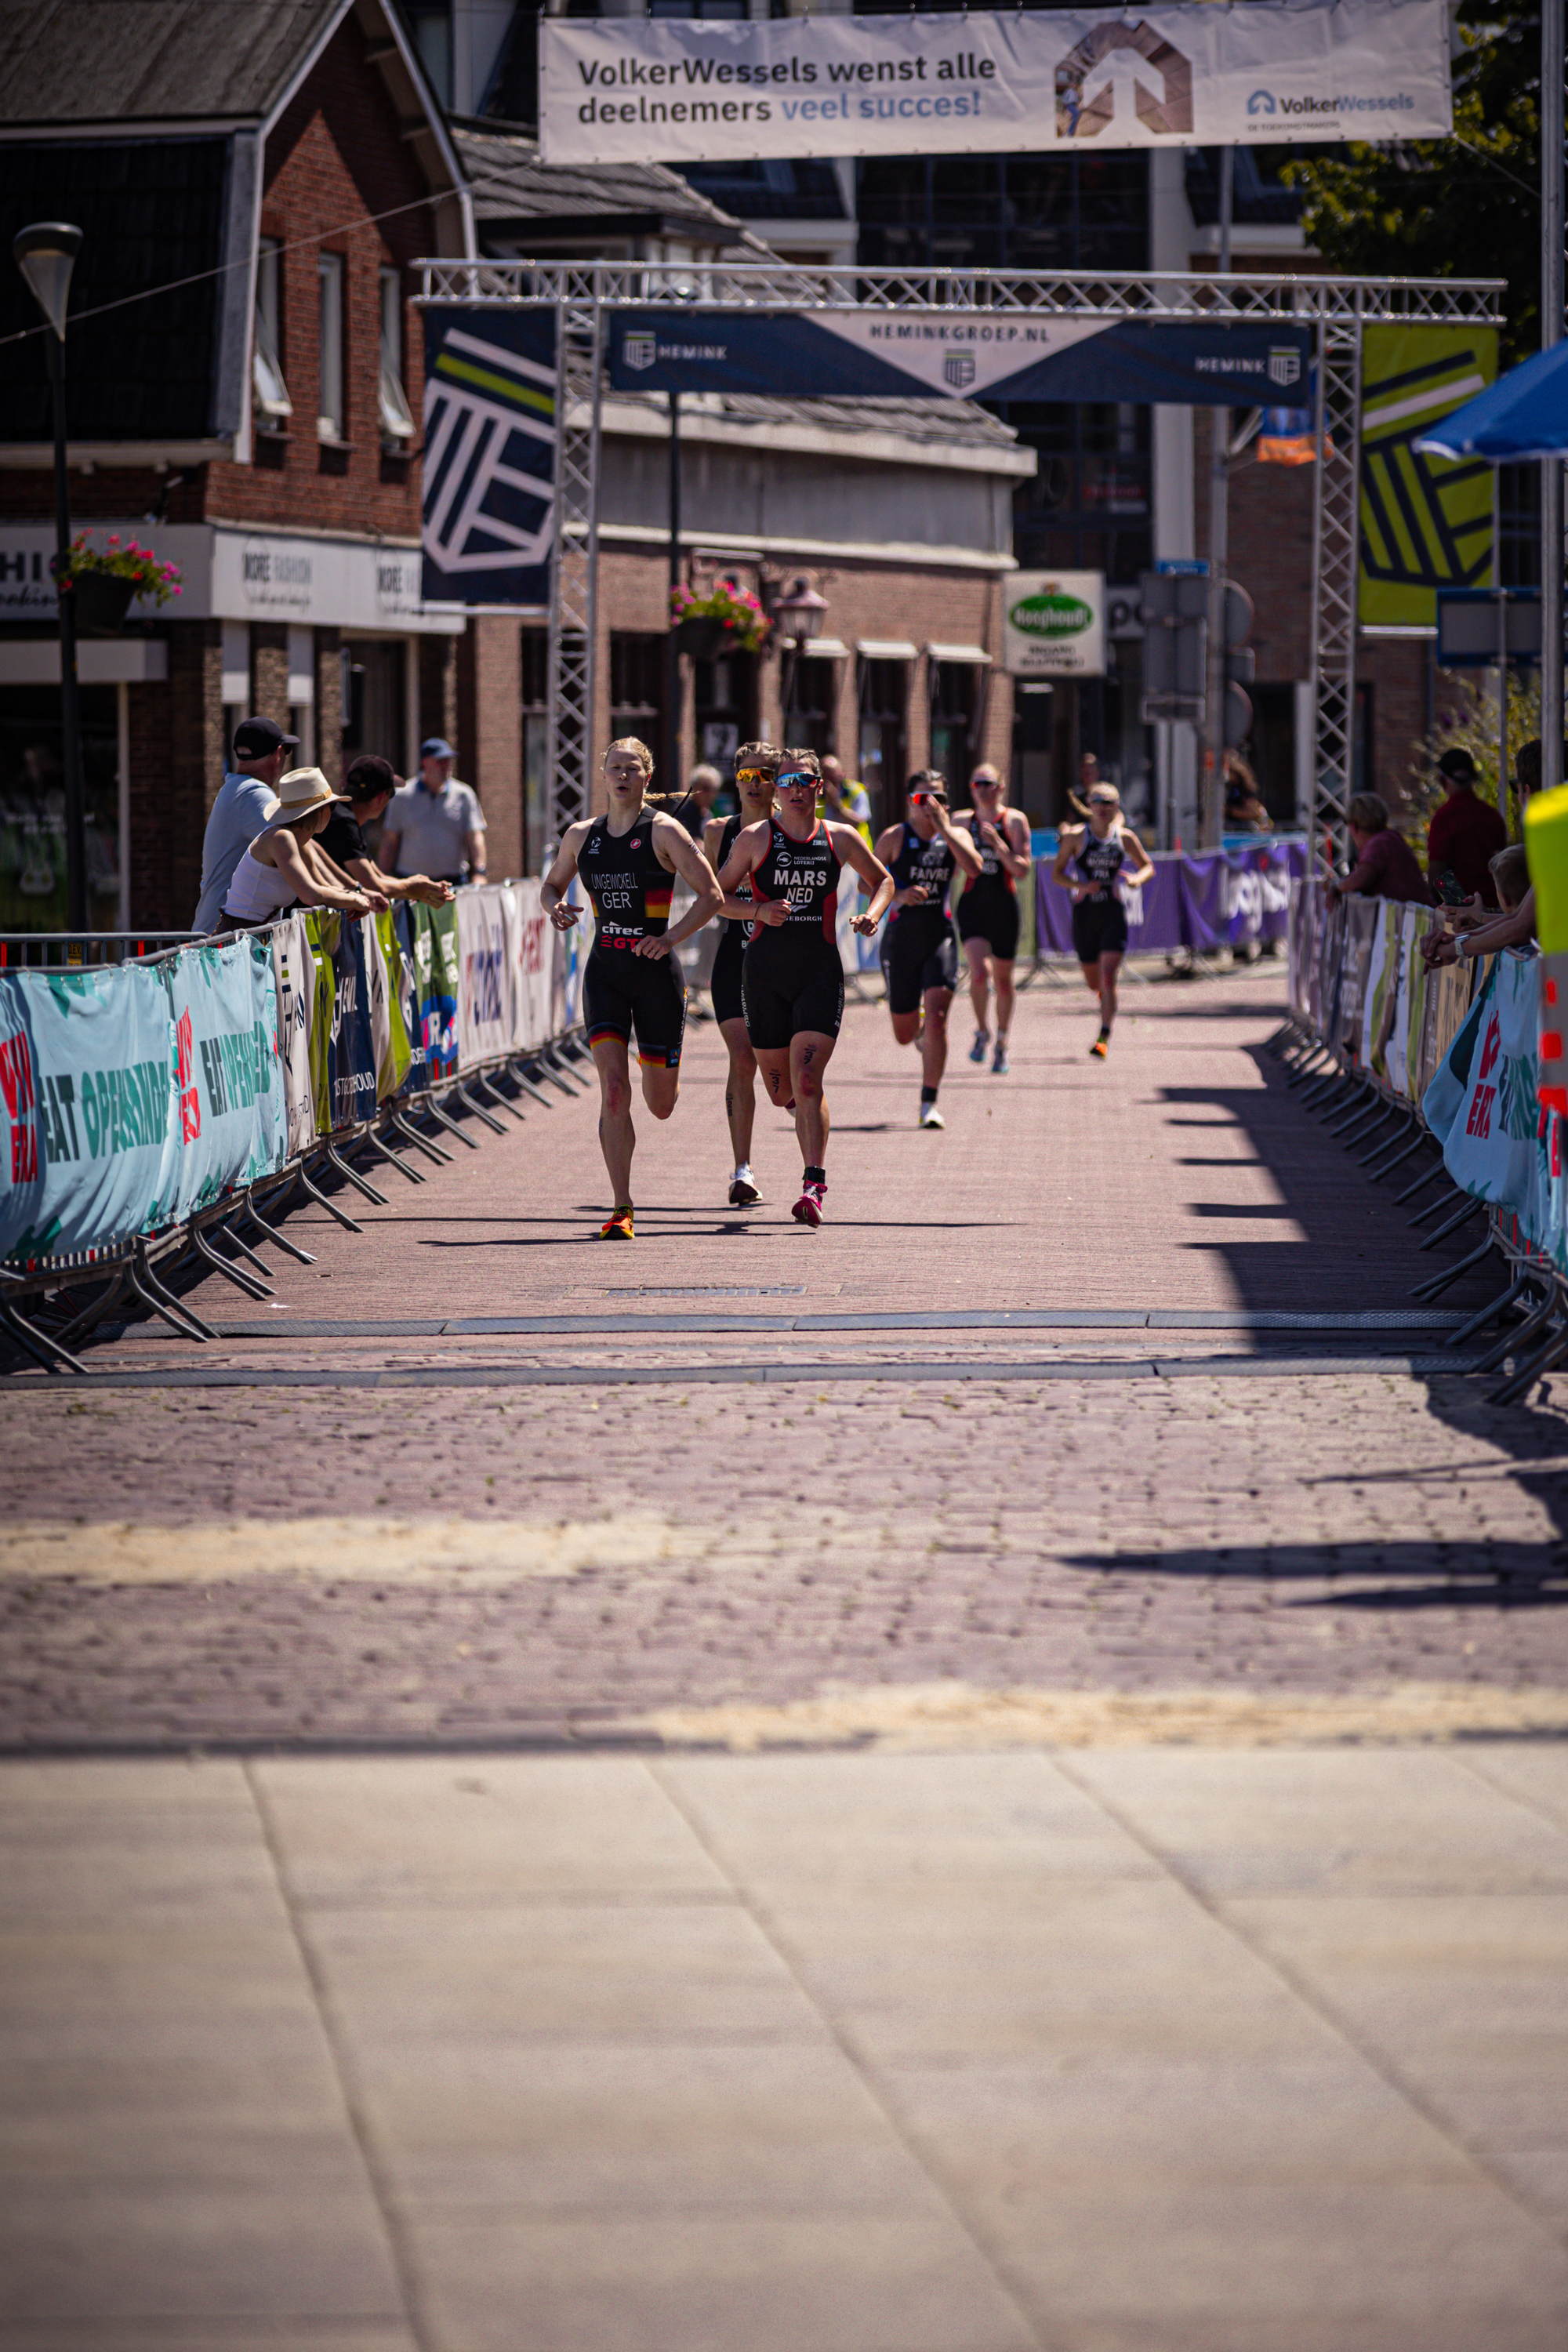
(140, 1271)
(1362, 1107)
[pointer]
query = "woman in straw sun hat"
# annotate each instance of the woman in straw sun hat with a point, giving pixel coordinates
(281, 869)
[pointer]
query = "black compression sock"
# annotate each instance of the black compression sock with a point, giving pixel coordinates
(928, 1093)
(814, 1176)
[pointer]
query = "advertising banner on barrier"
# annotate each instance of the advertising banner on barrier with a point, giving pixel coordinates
(1235, 898)
(94, 1121)
(1361, 922)
(627, 88)
(1481, 1103)
(430, 936)
(391, 979)
(343, 1049)
(529, 939)
(484, 993)
(294, 978)
(234, 1122)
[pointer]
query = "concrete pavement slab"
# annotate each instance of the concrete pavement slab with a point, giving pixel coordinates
(1402, 1821)
(852, 2282)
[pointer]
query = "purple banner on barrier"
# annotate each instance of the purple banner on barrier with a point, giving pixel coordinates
(1228, 899)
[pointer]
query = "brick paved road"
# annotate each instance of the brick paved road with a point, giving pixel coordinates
(505, 1560)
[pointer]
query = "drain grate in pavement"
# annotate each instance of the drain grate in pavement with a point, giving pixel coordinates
(708, 1290)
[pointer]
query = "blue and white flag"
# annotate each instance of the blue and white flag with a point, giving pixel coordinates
(490, 455)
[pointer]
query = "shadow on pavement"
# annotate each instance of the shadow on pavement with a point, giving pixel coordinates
(1380, 1574)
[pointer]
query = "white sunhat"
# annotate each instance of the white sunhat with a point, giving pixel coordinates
(301, 793)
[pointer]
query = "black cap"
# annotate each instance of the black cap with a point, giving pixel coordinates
(1458, 765)
(255, 737)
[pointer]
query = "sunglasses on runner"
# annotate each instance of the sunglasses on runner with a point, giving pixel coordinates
(752, 776)
(796, 777)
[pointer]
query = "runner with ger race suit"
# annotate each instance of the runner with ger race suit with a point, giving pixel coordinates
(1099, 852)
(627, 860)
(756, 765)
(792, 974)
(920, 946)
(988, 910)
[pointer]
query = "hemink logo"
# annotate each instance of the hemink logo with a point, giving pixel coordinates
(1122, 60)
(640, 351)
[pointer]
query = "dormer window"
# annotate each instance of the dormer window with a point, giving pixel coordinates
(396, 417)
(269, 390)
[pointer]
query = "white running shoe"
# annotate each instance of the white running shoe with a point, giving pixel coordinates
(930, 1116)
(743, 1193)
(981, 1039)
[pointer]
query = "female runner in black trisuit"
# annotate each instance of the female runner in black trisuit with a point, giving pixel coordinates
(627, 860)
(1098, 853)
(988, 910)
(920, 946)
(756, 765)
(793, 975)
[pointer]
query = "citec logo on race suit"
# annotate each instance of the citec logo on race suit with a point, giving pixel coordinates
(1120, 69)
(640, 350)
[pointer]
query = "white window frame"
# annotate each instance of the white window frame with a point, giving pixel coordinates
(396, 417)
(270, 389)
(332, 413)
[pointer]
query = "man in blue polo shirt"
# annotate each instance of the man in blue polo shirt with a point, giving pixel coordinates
(246, 797)
(434, 825)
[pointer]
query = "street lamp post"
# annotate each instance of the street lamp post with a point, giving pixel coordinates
(45, 254)
(797, 616)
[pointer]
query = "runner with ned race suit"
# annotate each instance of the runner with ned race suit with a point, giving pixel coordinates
(920, 946)
(627, 860)
(756, 764)
(988, 910)
(1099, 853)
(792, 974)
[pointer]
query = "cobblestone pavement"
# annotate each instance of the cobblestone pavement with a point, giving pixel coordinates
(897, 1526)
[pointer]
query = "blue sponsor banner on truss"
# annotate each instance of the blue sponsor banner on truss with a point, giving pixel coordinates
(978, 356)
(490, 455)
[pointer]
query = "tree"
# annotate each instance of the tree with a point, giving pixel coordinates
(1467, 207)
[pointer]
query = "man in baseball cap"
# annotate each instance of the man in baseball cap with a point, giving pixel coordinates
(1466, 832)
(261, 755)
(434, 825)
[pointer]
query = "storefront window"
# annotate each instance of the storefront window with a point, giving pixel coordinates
(534, 654)
(33, 896)
(884, 701)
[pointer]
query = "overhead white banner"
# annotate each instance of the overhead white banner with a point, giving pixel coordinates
(692, 90)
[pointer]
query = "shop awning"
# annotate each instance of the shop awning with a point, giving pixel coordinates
(825, 649)
(975, 655)
(888, 649)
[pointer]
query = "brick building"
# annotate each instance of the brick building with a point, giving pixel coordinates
(273, 167)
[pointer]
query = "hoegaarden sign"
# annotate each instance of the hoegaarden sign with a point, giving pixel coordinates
(1054, 623)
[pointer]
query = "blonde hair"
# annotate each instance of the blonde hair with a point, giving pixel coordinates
(807, 762)
(758, 755)
(1101, 786)
(1509, 869)
(638, 748)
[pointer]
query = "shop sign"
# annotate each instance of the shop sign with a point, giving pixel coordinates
(1054, 625)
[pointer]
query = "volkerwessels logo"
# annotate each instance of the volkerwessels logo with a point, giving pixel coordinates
(1051, 614)
(1284, 364)
(1120, 69)
(1261, 102)
(958, 368)
(640, 350)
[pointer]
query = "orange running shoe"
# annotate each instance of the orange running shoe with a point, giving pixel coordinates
(1098, 1048)
(617, 1225)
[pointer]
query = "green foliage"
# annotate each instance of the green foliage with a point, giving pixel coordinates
(1467, 716)
(1467, 207)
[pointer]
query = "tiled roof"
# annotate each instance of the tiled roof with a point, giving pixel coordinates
(510, 184)
(937, 422)
(68, 61)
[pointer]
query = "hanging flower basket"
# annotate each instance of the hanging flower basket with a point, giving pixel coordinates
(101, 604)
(704, 638)
(727, 620)
(107, 581)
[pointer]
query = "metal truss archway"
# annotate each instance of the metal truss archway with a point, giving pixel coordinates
(1337, 309)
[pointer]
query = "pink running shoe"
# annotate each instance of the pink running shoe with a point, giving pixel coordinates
(808, 1209)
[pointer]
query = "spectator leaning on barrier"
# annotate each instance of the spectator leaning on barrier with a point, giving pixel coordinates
(261, 752)
(1466, 832)
(434, 825)
(1385, 865)
(1473, 932)
(281, 869)
(368, 787)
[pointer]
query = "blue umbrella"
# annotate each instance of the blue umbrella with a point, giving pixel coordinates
(1523, 414)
